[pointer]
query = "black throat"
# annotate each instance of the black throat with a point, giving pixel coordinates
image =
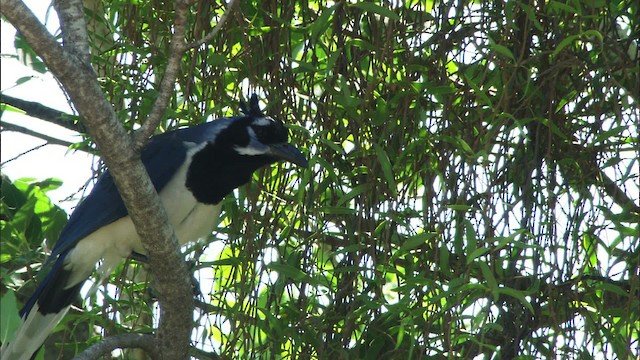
(217, 169)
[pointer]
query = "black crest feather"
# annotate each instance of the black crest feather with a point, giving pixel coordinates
(253, 108)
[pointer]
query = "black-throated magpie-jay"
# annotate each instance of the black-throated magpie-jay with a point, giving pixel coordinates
(192, 169)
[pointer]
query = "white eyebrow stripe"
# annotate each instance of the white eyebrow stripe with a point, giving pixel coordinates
(262, 121)
(255, 147)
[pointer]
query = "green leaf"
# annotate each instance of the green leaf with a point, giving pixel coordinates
(606, 135)
(336, 147)
(520, 295)
(387, 170)
(322, 22)
(560, 6)
(294, 274)
(476, 254)
(9, 317)
(457, 207)
(24, 79)
(336, 210)
(488, 276)
(361, 43)
(288, 271)
(362, 188)
(416, 240)
(482, 96)
(472, 237)
(27, 55)
(502, 50)
(531, 15)
(563, 44)
(376, 9)
(231, 261)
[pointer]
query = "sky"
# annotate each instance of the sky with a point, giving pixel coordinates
(74, 168)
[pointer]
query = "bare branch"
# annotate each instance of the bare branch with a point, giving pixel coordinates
(145, 342)
(22, 154)
(617, 194)
(216, 29)
(165, 91)
(178, 47)
(201, 354)
(23, 130)
(45, 113)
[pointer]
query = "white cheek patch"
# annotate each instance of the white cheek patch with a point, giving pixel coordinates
(254, 148)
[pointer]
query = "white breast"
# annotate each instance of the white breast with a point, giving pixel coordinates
(114, 242)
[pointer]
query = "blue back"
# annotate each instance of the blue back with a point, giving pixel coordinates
(162, 156)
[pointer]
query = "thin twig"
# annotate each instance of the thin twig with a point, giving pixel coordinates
(22, 154)
(216, 29)
(49, 139)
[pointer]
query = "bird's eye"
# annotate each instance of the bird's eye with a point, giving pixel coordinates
(260, 131)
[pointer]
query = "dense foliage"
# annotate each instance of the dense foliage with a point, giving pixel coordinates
(473, 188)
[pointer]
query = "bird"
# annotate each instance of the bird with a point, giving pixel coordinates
(192, 169)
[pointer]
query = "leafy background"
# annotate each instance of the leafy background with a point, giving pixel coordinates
(472, 190)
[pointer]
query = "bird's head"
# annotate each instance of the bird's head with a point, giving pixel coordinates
(261, 136)
(240, 146)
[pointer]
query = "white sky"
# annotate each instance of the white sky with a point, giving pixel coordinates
(74, 168)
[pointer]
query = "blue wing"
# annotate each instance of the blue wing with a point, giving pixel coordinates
(162, 156)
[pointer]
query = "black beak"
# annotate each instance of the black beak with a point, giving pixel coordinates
(288, 152)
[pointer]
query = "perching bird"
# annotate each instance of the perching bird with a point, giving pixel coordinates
(192, 169)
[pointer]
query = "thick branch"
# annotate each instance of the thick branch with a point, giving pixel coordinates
(45, 113)
(74, 28)
(143, 204)
(126, 341)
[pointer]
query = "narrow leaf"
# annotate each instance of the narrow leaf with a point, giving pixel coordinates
(376, 9)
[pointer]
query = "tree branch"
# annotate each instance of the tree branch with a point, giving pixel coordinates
(223, 19)
(517, 323)
(143, 204)
(145, 342)
(45, 113)
(74, 28)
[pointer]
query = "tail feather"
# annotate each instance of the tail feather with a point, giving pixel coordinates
(43, 311)
(31, 335)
